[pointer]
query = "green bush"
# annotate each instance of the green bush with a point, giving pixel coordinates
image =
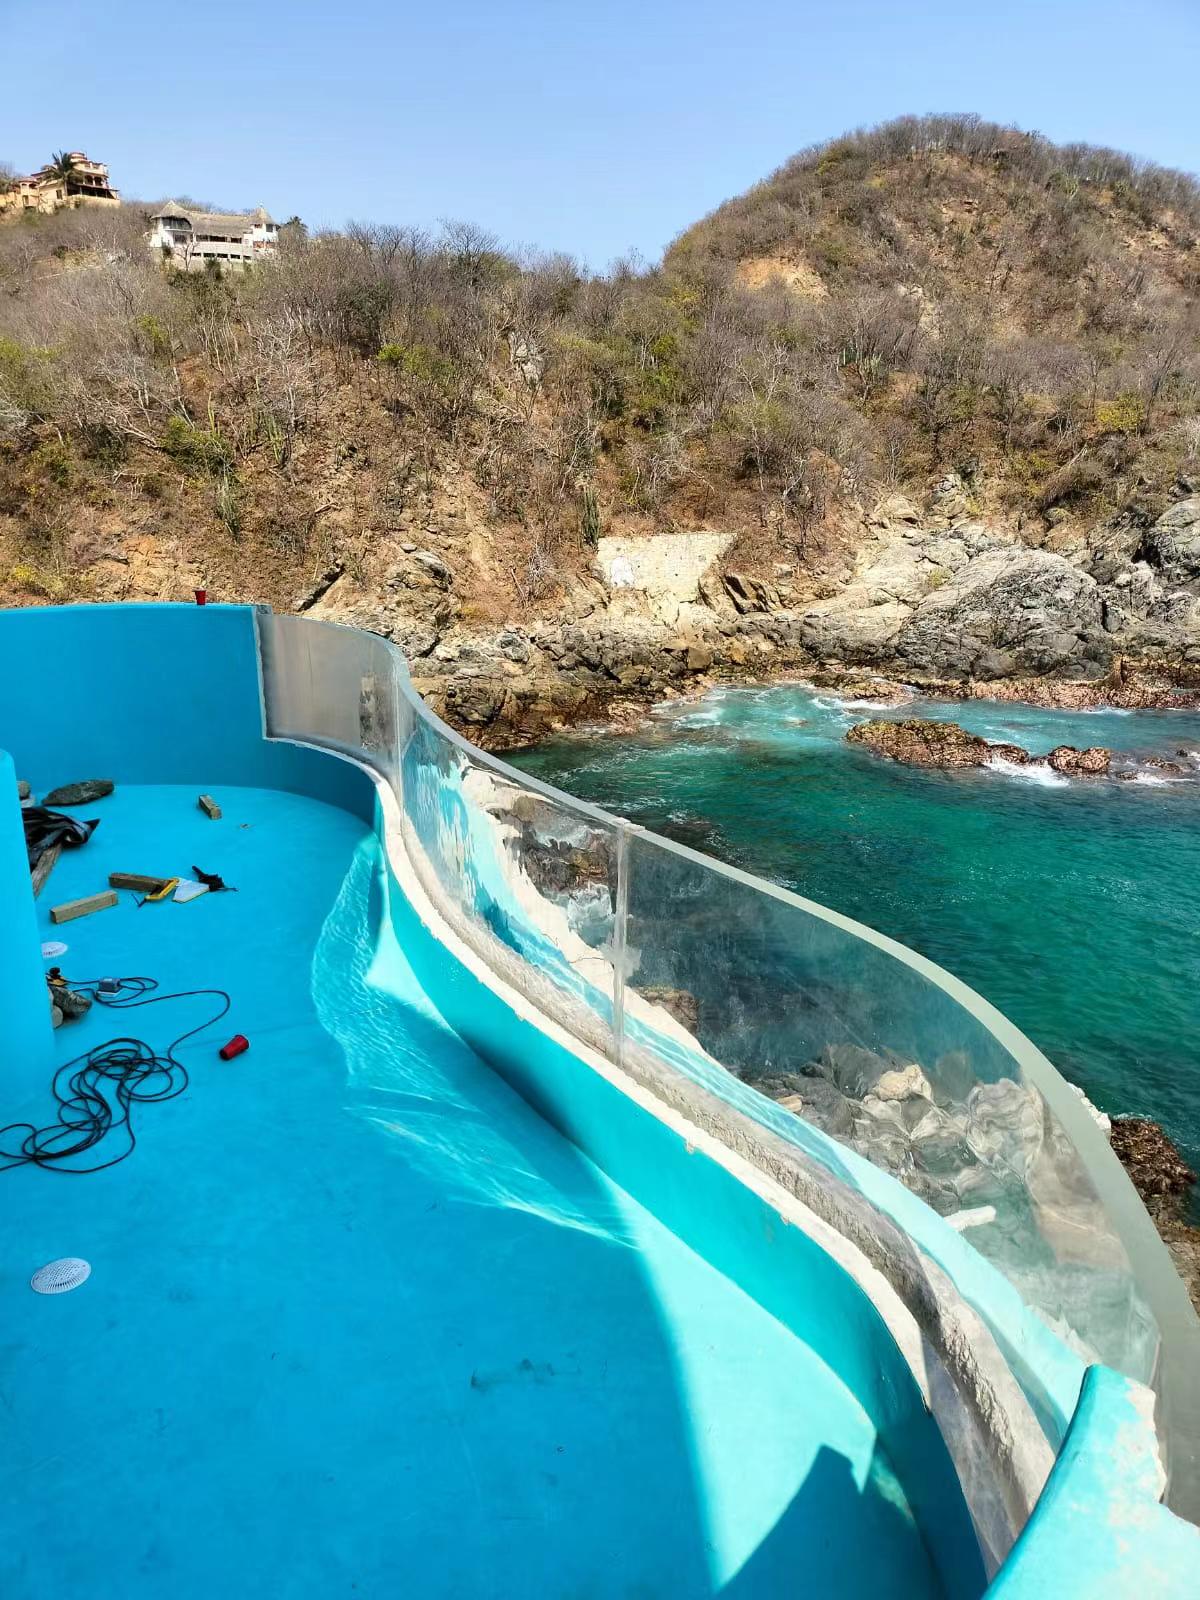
(53, 460)
(156, 335)
(1125, 414)
(26, 378)
(197, 449)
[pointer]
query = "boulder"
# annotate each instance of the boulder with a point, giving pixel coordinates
(824, 1105)
(750, 594)
(1034, 606)
(854, 1069)
(1090, 763)
(895, 508)
(1173, 543)
(79, 794)
(435, 567)
(901, 1082)
(557, 867)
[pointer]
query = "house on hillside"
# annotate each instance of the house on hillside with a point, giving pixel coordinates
(190, 239)
(72, 180)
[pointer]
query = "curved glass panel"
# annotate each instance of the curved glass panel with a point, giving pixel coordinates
(789, 1013)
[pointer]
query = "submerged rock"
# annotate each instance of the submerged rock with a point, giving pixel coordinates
(918, 743)
(79, 794)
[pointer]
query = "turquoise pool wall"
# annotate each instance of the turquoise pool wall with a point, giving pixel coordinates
(147, 694)
(28, 1035)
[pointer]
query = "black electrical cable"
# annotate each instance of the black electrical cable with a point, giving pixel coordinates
(129, 1069)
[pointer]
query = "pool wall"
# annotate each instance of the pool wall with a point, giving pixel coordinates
(148, 694)
(173, 696)
(29, 1036)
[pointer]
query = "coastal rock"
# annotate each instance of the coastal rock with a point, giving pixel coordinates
(1173, 543)
(854, 1069)
(1034, 606)
(79, 794)
(557, 866)
(1150, 1158)
(1092, 762)
(861, 686)
(1161, 764)
(918, 743)
(681, 1004)
(902, 1082)
(750, 594)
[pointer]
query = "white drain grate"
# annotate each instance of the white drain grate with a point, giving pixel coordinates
(56, 1277)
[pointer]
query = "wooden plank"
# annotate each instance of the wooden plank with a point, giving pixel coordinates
(210, 807)
(141, 881)
(45, 866)
(83, 907)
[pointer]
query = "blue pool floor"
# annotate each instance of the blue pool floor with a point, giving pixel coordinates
(359, 1321)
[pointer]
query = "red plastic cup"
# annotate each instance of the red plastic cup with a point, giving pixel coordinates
(201, 597)
(236, 1045)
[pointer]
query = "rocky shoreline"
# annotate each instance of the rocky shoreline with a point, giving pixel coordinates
(937, 601)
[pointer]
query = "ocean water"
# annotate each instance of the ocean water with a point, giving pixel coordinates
(1072, 904)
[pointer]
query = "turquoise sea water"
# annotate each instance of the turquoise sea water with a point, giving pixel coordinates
(1073, 905)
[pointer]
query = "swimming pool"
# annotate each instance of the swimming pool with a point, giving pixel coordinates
(416, 1295)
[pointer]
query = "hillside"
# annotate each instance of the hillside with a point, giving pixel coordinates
(930, 393)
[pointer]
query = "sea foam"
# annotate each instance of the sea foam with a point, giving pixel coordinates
(1036, 772)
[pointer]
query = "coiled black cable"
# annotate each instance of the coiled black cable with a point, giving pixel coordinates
(128, 1069)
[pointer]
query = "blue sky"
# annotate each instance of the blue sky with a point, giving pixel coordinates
(596, 128)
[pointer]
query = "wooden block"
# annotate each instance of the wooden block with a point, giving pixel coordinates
(45, 866)
(210, 807)
(84, 907)
(135, 880)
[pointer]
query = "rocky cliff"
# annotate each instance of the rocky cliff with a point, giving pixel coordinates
(935, 598)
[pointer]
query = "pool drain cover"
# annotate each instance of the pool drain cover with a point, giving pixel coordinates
(56, 1277)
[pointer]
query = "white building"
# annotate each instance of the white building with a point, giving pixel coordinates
(191, 239)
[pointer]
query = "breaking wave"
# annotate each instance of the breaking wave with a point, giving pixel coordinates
(1035, 772)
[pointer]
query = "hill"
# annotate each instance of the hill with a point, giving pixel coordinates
(936, 356)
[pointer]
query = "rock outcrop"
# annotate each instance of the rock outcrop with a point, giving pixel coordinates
(918, 743)
(1094, 762)
(951, 598)
(1150, 1157)
(1165, 1181)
